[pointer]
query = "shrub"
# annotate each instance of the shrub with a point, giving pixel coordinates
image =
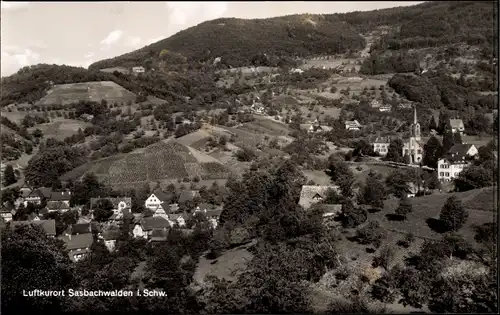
(453, 215)
(372, 233)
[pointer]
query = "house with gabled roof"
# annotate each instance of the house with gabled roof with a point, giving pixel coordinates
(121, 206)
(312, 194)
(48, 226)
(178, 219)
(55, 206)
(7, 211)
(158, 202)
(381, 145)
(211, 212)
(145, 227)
(352, 125)
(110, 237)
(457, 158)
(78, 245)
(36, 196)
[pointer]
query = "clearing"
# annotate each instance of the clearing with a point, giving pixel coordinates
(88, 91)
(61, 128)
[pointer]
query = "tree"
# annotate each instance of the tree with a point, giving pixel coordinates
(448, 141)
(433, 124)
(404, 207)
(395, 151)
(338, 169)
(453, 214)
(432, 152)
(373, 192)
(473, 177)
(103, 210)
(397, 182)
(444, 121)
(372, 233)
(245, 155)
(9, 176)
(43, 265)
(457, 138)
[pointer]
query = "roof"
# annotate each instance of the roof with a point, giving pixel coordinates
(456, 123)
(159, 235)
(214, 213)
(331, 209)
(45, 191)
(73, 253)
(111, 235)
(57, 205)
(114, 201)
(176, 216)
(162, 196)
(382, 140)
(60, 196)
(308, 193)
(49, 226)
(78, 241)
(460, 149)
(352, 122)
(207, 206)
(188, 195)
(7, 207)
(81, 228)
(151, 223)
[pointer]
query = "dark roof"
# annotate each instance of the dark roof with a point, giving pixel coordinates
(188, 195)
(7, 207)
(49, 226)
(175, 216)
(151, 223)
(159, 235)
(57, 205)
(45, 191)
(162, 196)
(60, 196)
(206, 206)
(81, 228)
(213, 213)
(460, 149)
(78, 241)
(382, 140)
(111, 235)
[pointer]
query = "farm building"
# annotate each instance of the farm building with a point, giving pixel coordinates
(78, 245)
(311, 194)
(352, 125)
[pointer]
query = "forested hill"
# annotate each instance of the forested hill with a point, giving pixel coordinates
(242, 42)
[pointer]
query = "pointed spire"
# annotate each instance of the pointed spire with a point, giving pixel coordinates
(415, 114)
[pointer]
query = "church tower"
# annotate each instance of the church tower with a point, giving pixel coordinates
(415, 128)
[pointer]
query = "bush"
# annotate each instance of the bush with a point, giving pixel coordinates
(404, 207)
(372, 233)
(385, 257)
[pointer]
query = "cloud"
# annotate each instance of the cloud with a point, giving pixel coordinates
(14, 58)
(13, 5)
(89, 55)
(112, 38)
(184, 14)
(133, 41)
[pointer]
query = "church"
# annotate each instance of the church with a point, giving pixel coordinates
(414, 146)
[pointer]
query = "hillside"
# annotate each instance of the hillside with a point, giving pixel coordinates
(167, 160)
(89, 91)
(242, 42)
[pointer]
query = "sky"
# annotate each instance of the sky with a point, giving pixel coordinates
(80, 33)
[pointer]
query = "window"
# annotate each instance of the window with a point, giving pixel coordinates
(447, 174)
(419, 151)
(441, 174)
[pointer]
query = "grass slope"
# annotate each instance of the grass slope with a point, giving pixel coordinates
(88, 91)
(166, 160)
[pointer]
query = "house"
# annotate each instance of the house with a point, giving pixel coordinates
(138, 70)
(352, 125)
(7, 211)
(78, 245)
(257, 108)
(385, 108)
(121, 206)
(414, 147)
(315, 128)
(211, 212)
(375, 104)
(54, 206)
(87, 117)
(48, 226)
(311, 194)
(82, 228)
(381, 145)
(188, 195)
(297, 70)
(159, 235)
(147, 225)
(457, 158)
(109, 237)
(157, 203)
(37, 196)
(177, 219)
(457, 125)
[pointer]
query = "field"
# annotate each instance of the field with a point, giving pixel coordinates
(479, 203)
(266, 126)
(166, 160)
(61, 128)
(14, 116)
(89, 91)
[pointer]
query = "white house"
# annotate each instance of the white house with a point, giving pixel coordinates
(311, 194)
(385, 108)
(375, 104)
(352, 125)
(109, 237)
(158, 203)
(177, 219)
(137, 70)
(147, 225)
(455, 161)
(381, 145)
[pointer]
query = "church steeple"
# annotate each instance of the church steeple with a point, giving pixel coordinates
(415, 126)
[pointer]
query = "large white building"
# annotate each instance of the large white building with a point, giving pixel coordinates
(381, 145)
(455, 161)
(414, 147)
